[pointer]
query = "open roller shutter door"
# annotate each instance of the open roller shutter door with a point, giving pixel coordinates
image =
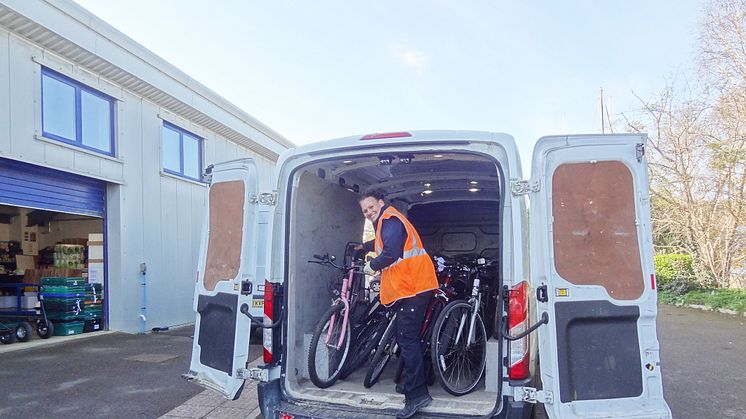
(31, 186)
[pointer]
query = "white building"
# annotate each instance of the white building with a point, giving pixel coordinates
(127, 136)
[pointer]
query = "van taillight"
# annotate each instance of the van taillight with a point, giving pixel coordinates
(283, 415)
(269, 297)
(517, 323)
(384, 135)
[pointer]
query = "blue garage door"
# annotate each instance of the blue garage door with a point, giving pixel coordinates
(31, 186)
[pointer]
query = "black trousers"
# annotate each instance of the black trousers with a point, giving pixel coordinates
(410, 313)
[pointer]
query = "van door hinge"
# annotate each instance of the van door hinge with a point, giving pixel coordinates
(257, 374)
(263, 199)
(639, 152)
(524, 187)
(532, 395)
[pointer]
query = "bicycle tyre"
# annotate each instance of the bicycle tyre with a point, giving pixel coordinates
(385, 349)
(443, 347)
(367, 340)
(338, 357)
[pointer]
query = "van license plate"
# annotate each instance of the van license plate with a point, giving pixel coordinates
(257, 303)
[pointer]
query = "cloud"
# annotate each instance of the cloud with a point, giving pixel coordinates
(409, 56)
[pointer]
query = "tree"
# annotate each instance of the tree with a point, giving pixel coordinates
(698, 150)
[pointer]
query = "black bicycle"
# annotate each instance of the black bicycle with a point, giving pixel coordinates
(459, 340)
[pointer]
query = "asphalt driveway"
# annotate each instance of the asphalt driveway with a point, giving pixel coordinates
(111, 375)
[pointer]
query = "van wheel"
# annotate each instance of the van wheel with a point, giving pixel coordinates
(325, 361)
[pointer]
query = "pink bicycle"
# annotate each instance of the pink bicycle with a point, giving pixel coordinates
(333, 336)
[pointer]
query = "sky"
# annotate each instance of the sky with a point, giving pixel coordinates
(315, 70)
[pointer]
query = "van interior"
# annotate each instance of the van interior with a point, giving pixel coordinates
(453, 200)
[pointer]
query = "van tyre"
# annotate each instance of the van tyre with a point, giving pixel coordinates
(335, 358)
(385, 350)
(24, 331)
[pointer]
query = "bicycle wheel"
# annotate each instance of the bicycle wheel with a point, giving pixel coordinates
(458, 365)
(325, 361)
(367, 337)
(386, 348)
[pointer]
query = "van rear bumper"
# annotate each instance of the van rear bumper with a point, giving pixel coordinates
(272, 404)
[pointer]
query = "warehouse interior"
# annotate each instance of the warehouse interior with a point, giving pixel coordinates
(55, 260)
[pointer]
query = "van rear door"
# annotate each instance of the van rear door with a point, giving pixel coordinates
(225, 278)
(591, 246)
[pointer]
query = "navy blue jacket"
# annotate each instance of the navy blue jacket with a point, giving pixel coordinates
(393, 235)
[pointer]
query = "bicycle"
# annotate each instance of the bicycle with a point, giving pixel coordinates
(459, 340)
(331, 341)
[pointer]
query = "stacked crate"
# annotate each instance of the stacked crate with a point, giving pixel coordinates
(94, 303)
(64, 303)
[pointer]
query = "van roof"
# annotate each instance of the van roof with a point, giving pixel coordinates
(414, 136)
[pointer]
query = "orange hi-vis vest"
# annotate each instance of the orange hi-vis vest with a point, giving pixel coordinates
(410, 275)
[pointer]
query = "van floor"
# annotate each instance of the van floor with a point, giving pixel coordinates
(383, 395)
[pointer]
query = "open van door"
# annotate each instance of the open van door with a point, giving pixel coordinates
(225, 279)
(592, 264)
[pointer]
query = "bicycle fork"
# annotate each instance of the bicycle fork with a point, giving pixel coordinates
(475, 302)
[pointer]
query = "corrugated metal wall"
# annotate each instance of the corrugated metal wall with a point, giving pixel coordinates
(151, 217)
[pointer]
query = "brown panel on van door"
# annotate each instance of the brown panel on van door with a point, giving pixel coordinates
(226, 232)
(595, 237)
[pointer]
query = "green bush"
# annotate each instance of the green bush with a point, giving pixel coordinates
(674, 273)
(728, 298)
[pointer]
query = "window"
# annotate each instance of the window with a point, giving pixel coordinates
(76, 114)
(182, 152)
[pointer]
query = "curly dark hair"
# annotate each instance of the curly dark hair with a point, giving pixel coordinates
(372, 194)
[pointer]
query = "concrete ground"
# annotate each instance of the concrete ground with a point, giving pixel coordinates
(96, 374)
(209, 404)
(116, 375)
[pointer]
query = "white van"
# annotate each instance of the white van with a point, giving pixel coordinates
(576, 270)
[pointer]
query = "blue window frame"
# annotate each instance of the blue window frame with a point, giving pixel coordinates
(76, 114)
(182, 152)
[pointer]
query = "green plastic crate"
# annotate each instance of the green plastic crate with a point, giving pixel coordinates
(68, 328)
(64, 281)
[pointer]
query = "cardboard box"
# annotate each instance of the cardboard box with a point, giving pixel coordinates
(95, 248)
(24, 262)
(29, 301)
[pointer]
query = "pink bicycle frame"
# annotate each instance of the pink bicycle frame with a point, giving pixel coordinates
(344, 298)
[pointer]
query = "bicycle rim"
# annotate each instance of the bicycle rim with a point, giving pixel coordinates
(458, 365)
(325, 360)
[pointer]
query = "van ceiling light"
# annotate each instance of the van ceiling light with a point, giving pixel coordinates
(473, 189)
(384, 135)
(473, 182)
(427, 185)
(348, 162)
(427, 191)
(385, 160)
(406, 158)
(438, 156)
